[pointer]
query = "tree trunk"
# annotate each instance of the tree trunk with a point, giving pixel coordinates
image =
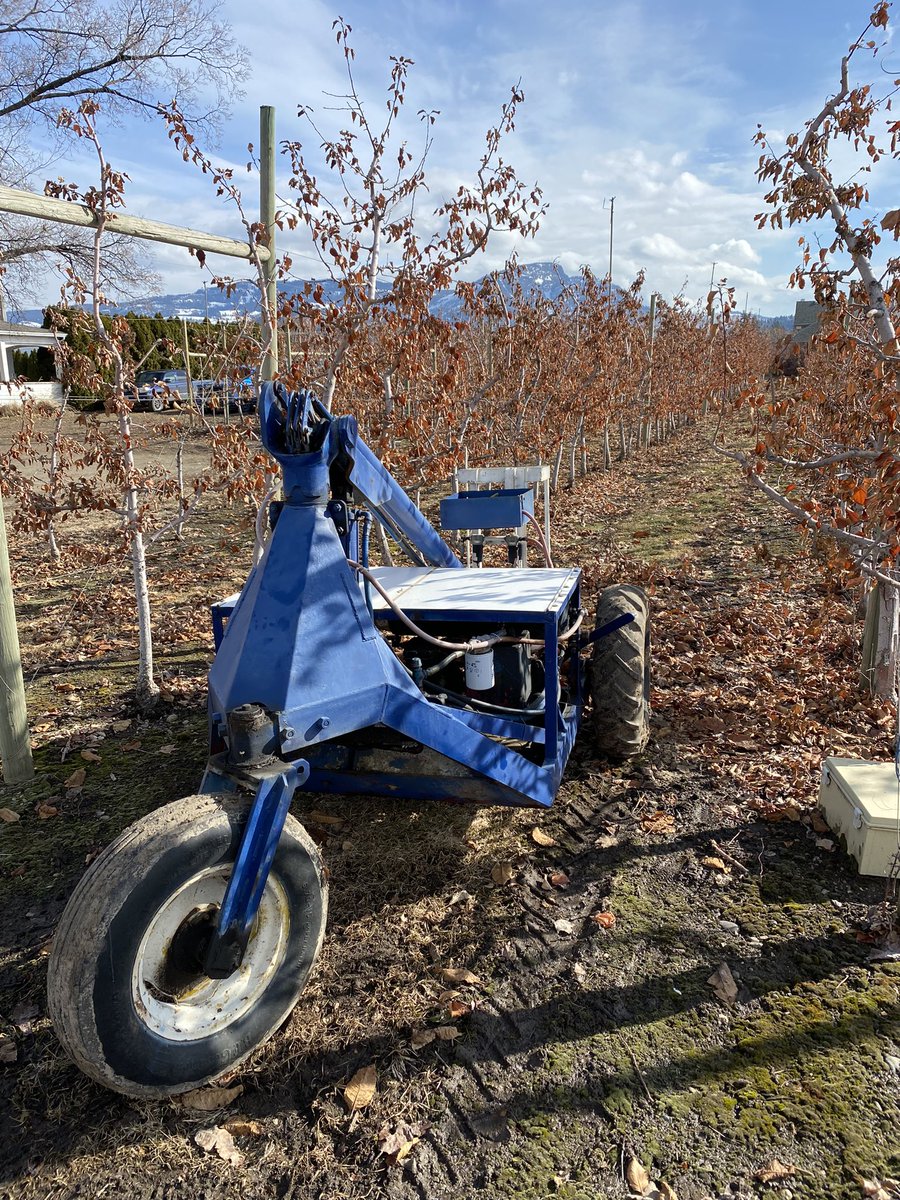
(145, 688)
(53, 471)
(557, 463)
(182, 502)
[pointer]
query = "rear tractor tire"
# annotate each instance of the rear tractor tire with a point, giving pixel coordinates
(620, 674)
(127, 993)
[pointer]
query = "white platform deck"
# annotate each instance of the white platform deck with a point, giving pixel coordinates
(513, 591)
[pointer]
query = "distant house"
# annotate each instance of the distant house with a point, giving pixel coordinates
(806, 321)
(25, 337)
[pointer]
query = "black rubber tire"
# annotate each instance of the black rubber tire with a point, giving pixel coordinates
(157, 403)
(94, 995)
(620, 674)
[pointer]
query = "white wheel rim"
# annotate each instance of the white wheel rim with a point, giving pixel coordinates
(209, 1005)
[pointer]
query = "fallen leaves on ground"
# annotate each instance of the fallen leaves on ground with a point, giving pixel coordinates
(8, 1051)
(209, 1099)
(774, 1169)
(244, 1127)
(322, 818)
(459, 975)
(606, 920)
(76, 779)
(395, 1144)
(715, 864)
(658, 822)
(636, 1176)
(360, 1091)
(219, 1141)
(502, 873)
(7, 815)
(723, 984)
(541, 838)
(881, 1189)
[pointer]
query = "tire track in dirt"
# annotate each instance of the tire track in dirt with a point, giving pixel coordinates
(528, 1100)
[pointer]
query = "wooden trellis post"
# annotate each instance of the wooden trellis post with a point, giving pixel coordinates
(15, 739)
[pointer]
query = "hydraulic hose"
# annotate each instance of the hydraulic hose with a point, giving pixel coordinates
(477, 643)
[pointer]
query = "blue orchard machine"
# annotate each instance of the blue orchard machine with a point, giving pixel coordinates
(189, 940)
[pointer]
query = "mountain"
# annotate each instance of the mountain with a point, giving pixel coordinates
(216, 305)
(212, 303)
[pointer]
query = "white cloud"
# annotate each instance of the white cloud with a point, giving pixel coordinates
(658, 246)
(655, 105)
(738, 250)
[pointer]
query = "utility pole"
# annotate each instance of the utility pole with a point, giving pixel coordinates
(612, 210)
(269, 367)
(653, 299)
(15, 739)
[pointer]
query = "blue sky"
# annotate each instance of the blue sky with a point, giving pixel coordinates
(653, 103)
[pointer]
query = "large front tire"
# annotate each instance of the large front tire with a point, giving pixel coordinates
(620, 674)
(126, 993)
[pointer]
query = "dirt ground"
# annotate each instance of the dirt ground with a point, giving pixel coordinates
(577, 1052)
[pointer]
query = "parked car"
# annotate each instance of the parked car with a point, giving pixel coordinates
(157, 389)
(237, 391)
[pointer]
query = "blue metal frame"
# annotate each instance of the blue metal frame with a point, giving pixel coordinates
(251, 869)
(301, 641)
(499, 508)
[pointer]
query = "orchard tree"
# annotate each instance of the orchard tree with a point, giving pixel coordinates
(131, 55)
(362, 222)
(828, 447)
